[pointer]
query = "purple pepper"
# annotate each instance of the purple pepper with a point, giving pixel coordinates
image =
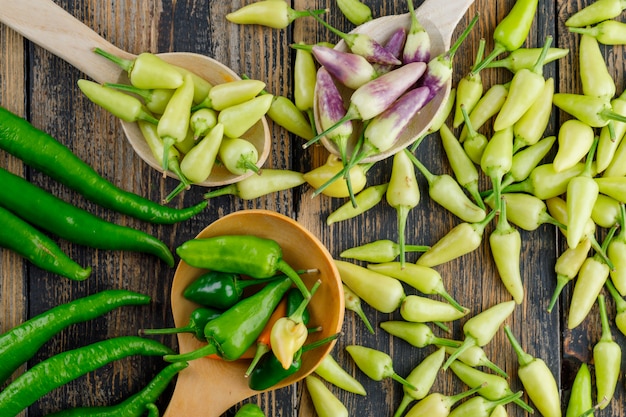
(364, 45)
(417, 45)
(395, 45)
(330, 110)
(439, 69)
(349, 69)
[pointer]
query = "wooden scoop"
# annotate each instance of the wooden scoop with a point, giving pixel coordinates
(48, 25)
(440, 20)
(209, 387)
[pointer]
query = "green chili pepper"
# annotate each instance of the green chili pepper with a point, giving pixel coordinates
(271, 13)
(37, 247)
(119, 104)
(174, 123)
(481, 407)
(596, 12)
(137, 404)
(592, 276)
(379, 251)
(463, 167)
(609, 32)
(250, 410)
(201, 121)
(474, 142)
(332, 372)
(567, 266)
(365, 200)
(525, 160)
(606, 211)
(243, 254)
(255, 186)
(20, 343)
(620, 306)
(304, 75)
(575, 139)
(526, 58)
(155, 99)
(505, 243)
(512, 31)
(423, 378)
(285, 113)
(197, 321)
(607, 358)
(60, 218)
(469, 89)
(582, 192)
(448, 193)
(475, 356)
(580, 396)
(418, 309)
(616, 251)
(496, 388)
(594, 75)
(41, 151)
(610, 139)
(438, 405)
(460, 240)
(67, 366)
(326, 404)
(239, 156)
(355, 11)
(497, 159)
(236, 329)
(147, 71)
(198, 163)
(238, 119)
(403, 194)
(532, 125)
(375, 364)
(219, 290)
(526, 87)
(381, 292)
(594, 111)
(415, 333)
(270, 371)
(228, 94)
(353, 303)
(537, 379)
(150, 134)
(424, 279)
(481, 328)
(544, 182)
(488, 106)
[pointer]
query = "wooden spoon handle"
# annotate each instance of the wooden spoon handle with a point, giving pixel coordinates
(51, 27)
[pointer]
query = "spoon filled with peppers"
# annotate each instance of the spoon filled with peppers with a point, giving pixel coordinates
(258, 240)
(153, 76)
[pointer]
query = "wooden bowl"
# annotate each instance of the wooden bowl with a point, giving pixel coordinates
(208, 387)
(215, 73)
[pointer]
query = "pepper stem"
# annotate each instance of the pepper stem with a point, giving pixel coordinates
(207, 350)
(229, 189)
(468, 342)
(620, 303)
(125, 64)
(170, 330)
(403, 381)
(497, 50)
(458, 397)
(442, 326)
(538, 67)
(168, 142)
(184, 184)
(430, 177)
(604, 317)
(144, 94)
(286, 269)
(523, 358)
(404, 403)
(508, 399)
(348, 116)
(298, 313)
(334, 30)
(444, 294)
(464, 34)
(561, 282)
(402, 213)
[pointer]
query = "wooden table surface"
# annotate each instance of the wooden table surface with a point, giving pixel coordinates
(42, 88)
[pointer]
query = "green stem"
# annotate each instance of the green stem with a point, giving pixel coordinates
(468, 342)
(604, 317)
(561, 282)
(497, 50)
(523, 358)
(229, 189)
(207, 350)
(403, 381)
(402, 215)
(125, 64)
(620, 303)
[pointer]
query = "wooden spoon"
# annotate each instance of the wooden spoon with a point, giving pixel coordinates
(51, 27)
(440, 21)
(209, 387)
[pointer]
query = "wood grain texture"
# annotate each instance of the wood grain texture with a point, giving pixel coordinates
(42, 87)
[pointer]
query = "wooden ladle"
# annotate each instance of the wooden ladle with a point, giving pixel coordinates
(51, 27)
(440, 20)
(209, 387)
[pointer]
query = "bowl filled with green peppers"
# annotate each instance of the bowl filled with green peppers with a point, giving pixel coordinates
(261, 303)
